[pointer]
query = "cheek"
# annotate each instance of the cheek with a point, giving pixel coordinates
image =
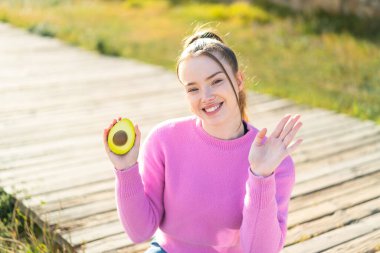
(192, 102)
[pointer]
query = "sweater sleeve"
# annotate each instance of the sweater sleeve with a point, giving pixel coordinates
(139, 192)
(265, 210)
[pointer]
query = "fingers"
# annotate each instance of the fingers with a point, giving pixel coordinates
(106, 131)
(137, 130)
(292, 147)
(260, 136)
(276, 133)
(292, 134)
(138, 135)
(289, 127)
(105, 139)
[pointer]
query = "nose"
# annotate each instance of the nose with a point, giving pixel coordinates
(208, 96)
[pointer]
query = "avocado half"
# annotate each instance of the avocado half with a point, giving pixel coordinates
(121, 137)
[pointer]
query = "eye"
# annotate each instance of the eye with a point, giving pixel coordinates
(217, 81)
(191, 90)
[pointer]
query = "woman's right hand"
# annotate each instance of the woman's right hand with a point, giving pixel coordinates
(127, 160)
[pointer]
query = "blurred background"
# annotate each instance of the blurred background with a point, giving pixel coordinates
(321, 53)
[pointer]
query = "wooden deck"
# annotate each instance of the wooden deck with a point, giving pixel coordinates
(56, 101)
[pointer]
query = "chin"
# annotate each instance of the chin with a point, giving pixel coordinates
(212, 122)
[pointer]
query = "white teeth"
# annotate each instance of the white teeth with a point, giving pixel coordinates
(212, 108)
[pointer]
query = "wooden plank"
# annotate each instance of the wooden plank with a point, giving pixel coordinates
(135, 85)
(326, 208)
(126, 71)
(81, 141)
(306, 167)
(22, 164)
(351, 132)
(46, 169)
(341, 217)
(326, 194)
(308, 173)
(323, 132)
(71, 193)
(96, 97)
(78, 77)
(55, 173)
(342, 144)
(119, 241)
(91, 234)
(367, 243)
(145, 109)
(75, 201)
(77, 129)
(85, 222)
(81, 211)
(85, 176)
(127, 108)
(15, 44)
(337, 236)
(336, 177)
(46, 57)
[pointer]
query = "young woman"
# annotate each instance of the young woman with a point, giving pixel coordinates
(210, 182)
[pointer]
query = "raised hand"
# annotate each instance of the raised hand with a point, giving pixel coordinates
(264, 158)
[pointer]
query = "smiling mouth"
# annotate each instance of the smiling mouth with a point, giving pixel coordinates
(216, 109)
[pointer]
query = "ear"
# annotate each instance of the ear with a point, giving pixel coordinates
(240, 80)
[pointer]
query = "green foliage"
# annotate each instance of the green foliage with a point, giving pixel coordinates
(43, 29)
(181, 2)
(320, 21)
(136, 3)
(45, 3)
(18, 232)
(239, 11)
(104, 47)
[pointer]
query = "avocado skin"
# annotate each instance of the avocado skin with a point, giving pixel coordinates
(121, 137)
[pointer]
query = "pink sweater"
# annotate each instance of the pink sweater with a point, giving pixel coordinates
(198, 193)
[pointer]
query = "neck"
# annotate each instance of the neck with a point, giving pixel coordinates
(228, 132)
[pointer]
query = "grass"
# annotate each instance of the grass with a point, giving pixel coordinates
(19, 233)
(325, 61)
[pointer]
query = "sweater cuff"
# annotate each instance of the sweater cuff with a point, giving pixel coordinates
(128, 181)
(261, 189)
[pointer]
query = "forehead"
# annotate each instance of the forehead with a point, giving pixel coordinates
(198, 68)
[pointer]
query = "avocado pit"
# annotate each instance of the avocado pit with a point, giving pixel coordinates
(120, 138)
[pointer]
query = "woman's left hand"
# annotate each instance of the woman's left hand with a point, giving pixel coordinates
(265, 157)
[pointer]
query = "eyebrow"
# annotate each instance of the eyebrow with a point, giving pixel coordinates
(192, 83)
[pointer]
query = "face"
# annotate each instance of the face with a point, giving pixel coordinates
(208, 90)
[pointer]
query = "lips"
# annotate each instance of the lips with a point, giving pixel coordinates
(215, 111)
(210, 106)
